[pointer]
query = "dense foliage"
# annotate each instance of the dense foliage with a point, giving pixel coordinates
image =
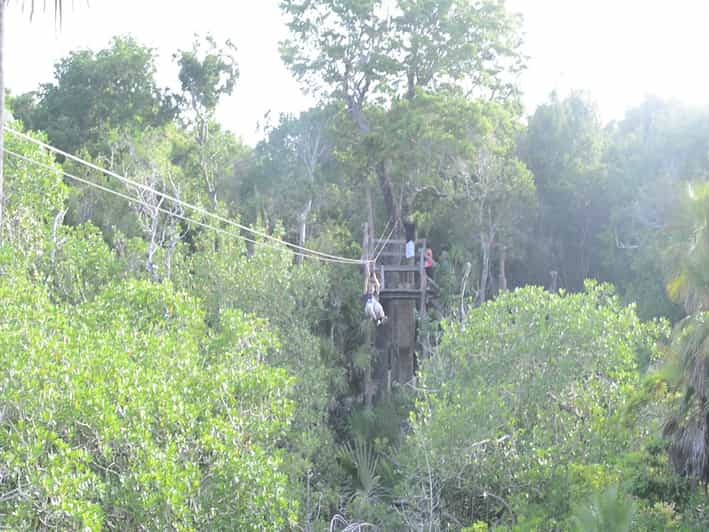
(157, 371)
(141, 418)
(523, 400)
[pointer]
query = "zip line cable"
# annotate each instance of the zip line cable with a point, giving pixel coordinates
(200, 210)
(183, 203)
(133, 199)
(385, 244)
(382, 242)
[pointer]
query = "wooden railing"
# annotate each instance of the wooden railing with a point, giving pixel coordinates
(412, 281)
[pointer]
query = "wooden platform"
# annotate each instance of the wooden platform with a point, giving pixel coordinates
(404, 292)
(403, 278)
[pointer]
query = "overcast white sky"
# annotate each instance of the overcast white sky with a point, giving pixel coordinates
(619, 50)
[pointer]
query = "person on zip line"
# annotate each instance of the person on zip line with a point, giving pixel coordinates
(372, 308)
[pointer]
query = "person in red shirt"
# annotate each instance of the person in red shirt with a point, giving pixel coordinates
(428, 262)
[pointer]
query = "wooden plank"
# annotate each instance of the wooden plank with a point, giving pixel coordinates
(391, 254)
(392, 241)
(414, 298)
(402, 291)
(401, 242)
(397, 268)
(424, 277)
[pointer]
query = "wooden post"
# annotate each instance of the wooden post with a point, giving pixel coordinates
(424, 283)
(503, 273)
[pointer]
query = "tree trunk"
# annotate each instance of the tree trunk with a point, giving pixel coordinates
(210, 184)
(502, 280)
(462, 290)
(410, 85)
(370, 222)
(485, 246)
(303, 227)
(213, 197)
(584, 258)
(2, 112)
(554, 286)
(357, 115)
(171, 247)
(387, 191)
(58, 220)
(153, 246)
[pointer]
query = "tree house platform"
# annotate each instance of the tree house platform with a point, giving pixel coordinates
(403, 278)
(404, 289)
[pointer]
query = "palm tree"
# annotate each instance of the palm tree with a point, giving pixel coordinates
(689, 250)
(3, 3)
(688, 427)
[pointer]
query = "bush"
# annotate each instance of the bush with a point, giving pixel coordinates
(123, 413)
(522, 407)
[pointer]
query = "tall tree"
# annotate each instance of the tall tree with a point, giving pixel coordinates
(564, 148)
(688, 428)
(650, 155)
(291, 160)
(368, 53)
(339, 49)
(492, 185)
(471, 44)
(98, 94)
(358, 49)
(446, 150)
(207, 73)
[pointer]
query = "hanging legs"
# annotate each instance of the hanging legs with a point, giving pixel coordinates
(374, 310)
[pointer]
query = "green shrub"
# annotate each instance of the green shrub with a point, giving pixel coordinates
(115, 414)
(521, 417)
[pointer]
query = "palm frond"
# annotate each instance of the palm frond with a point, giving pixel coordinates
(688, 428)
(364, 461)
(689, 249)
(58, 8)
(609, 510)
